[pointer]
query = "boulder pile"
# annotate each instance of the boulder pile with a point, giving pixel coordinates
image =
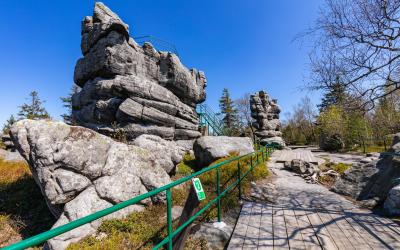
(80, 172)
(266, 113)
(375, 179)
(307, 170)
(131, 88)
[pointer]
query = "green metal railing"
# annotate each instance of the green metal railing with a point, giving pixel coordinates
(259, 155)
(209, 119)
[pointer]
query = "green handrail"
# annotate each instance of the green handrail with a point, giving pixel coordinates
(42, 237)
(208, 117)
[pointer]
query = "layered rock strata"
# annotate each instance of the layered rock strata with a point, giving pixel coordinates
(266, 111)
(131, 88)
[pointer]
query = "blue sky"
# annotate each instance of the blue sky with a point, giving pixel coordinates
(244, 46)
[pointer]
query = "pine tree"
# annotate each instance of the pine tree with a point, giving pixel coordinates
(228, 111)
(335, 96)
(8, 124)
(67, 103)
(33, 110)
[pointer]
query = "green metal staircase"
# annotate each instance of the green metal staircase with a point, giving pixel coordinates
(208, 119)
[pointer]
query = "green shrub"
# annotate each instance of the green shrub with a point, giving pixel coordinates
(186, 167)
(341, 167)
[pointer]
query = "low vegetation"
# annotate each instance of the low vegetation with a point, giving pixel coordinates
(23, 211)
(340, 168)
(146, 228)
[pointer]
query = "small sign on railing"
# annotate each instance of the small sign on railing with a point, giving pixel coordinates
(201, 195)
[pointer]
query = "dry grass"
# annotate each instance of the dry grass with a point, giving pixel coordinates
(142, 230)
(23, 211)
(8, 231)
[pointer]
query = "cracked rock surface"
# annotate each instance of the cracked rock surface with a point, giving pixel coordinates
(266, 113)
(132, 88)
(80, 171)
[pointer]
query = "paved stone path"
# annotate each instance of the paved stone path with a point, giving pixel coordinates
(309, 216)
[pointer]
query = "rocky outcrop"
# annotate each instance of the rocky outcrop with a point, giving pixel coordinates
(392, 202)
(7, 155)
(131, 88)
(80, 172)
(210, 148)
(301, 167)
(266, 113)
(371, 178)
(168, 153)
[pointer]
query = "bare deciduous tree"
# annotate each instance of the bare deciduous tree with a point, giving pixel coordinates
(357, 41)
(244, 113)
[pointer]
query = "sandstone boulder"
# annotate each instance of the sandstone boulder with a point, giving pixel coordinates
(130, 88)
(80, 171)
(372, 180)
(266, 113)
(168, 153)
(392, 202)
(210, 148)
(301, 167)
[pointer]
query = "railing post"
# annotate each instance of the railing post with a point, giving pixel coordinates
(240, 181)
(262, 154)
(218, 194)
(257, 156)
(169, 218)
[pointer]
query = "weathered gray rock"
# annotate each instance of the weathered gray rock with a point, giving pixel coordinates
(135, 89)
(11, 155)
(210, 148)
(354, 180)
(373, 180)
(301, 167)
(80, 171)
(392, 202)
(217, 234)
(168, 153)
(267, 124)
(7, 142)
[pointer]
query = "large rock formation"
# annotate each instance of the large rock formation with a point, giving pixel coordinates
(80, 172)
(372, 180)
(136, 89)
(210, 148)
(168, 153)
(266, 113)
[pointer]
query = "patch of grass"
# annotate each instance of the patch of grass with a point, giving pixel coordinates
(338, 167)
(21, 200)
(195, 244)
(8, 231)
(142, 230)
(327, 180)
(186, 167)
(228, 175)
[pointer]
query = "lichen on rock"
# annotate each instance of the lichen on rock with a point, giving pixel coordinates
(80, 172)
(142, 90)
